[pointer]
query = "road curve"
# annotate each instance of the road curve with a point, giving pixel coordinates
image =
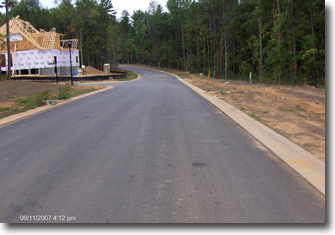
(148, 151)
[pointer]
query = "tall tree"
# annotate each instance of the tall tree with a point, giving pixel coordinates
(294, 40)
(260, 43)
(313, 34)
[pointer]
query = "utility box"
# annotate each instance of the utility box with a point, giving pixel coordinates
(107, 68)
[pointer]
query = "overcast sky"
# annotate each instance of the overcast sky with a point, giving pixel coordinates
(119, 5)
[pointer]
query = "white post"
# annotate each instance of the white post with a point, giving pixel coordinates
(250, 77)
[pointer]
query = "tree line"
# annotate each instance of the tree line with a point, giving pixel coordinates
(279, 41)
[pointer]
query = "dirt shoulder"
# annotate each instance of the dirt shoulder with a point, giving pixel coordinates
(297, 113)
(20, 96)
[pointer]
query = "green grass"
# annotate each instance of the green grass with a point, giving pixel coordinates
(67, 92)
(258, 118)
(285, 109)
(34, 100)
(265, 111)
(64, 92)
(83, 91)
(5, 109)
(130, 76)
(182, 75)
(301, 115)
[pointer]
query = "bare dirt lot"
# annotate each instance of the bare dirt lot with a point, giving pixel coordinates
(297, 113)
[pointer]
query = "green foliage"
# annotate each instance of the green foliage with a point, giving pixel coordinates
(220, 35)
(67, 92)
(5, 109)
(258, 118)
(285, 109)
(64, 92)
(34, 100)
(130, 76)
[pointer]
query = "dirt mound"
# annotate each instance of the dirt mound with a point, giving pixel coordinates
(89, 70)
(80, 75)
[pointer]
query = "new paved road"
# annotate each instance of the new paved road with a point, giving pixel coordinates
(150, 150)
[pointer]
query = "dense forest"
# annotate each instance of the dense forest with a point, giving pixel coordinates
(279, 41)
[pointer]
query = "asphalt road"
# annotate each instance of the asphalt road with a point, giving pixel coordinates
(148, 151)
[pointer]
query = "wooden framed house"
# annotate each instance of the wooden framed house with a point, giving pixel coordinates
(35, 52)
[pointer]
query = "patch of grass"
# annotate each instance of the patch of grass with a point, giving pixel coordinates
(83, 91)
(234, 88)
(242, 108)
(307, 144)
(265, 111)
(300, 115)
(258, 118)
(276, 130)
(5, 109)
(34, 100)
(250, 95)
(183, 75)
(64, 92)
(130, 76)
(68, 92)
(9, 112)
(285, 109)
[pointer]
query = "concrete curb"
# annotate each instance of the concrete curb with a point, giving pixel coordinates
(31, 112)
(301, 161)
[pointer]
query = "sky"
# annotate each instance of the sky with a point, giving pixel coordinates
(119, 5)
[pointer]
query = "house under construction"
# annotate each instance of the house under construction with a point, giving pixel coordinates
(36, 52)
